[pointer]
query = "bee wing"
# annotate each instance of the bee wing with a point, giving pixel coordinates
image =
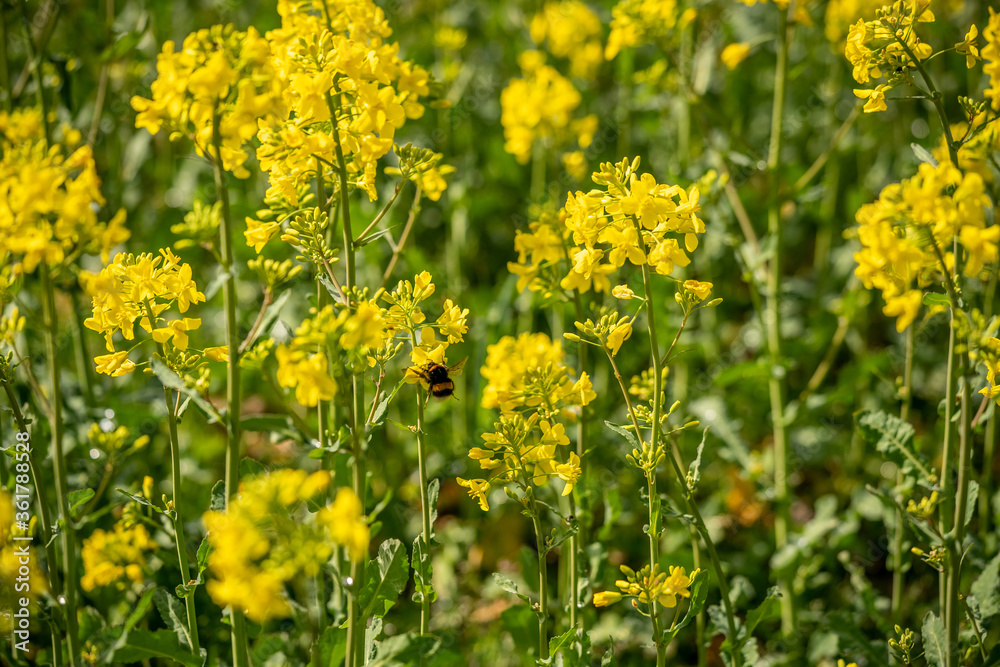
(457, 368)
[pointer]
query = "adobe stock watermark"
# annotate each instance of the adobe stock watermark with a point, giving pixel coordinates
(22, 541)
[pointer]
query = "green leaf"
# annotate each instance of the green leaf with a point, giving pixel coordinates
(272, 313)
(162, 644)
(768, 609)
(608, 660)
(433, 490)
(384, 403)
(936, 299)
(141, 500)
(174, 615)
(694, 470)
(557, 644)
(372, 237)
(509, 586)
(382, 590)
(628, 435)
(251, 468)
(923, 154)
(423, 572)
(78, 498)
(892, 436)
(218, 503)
(332, 647)
(935, 640)
(986, 588)
(405, 650)
(173, 381)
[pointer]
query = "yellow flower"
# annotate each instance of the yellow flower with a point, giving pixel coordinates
(345, 521)
(700, 290)
(623, 292)
(991, 56)
(478, 488)
(734, 54)
(219, 353)
(259, 233)
(904, 308)
(307, 374)
(618, 335)
(875, 97)
(176, 332)
(115, 364)
(569, 472)
(968, 47)
(605, 598)
(111, 557)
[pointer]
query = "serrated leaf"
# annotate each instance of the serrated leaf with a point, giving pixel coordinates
(383, 405)
(423, 572)
(628, 435)
(174, 615)
(892, 437)
(218, 503)
(405, 650)
(986, 588)
(935, 640)
(171, 380)
(509, 586)
(382, 589)
(560, 642)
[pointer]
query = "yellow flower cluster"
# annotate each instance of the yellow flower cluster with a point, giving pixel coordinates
(527, 380)
(635, 22)
(346, 90)
(141, 288)
(907, 235)
(406, 316)
(539, 107)
(571, 30)
(116, 556)
(991, 56)
(841, 15)
(650, 584)
(631, 218)
(303, 364)
(887, 46)
(266, 540)
(50, 196)
(220, 75)
(12, 560)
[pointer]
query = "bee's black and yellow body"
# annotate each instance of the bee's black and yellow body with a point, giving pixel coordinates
(441, 386)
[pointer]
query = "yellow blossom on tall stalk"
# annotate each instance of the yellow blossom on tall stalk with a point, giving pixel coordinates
(571, 30)
(267, 541)
(333, 340)
(539, 107)
(219, 72)
(649, 584)
(142, 288)
(345, 88)
(635, 22)
(907, 236)
(50, 196)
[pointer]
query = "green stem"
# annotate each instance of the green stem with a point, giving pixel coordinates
(4, 62)
(897, 543)
(543, 586)
(355, 631)
(175, 474)
(239, 637)
(776, 383)
(68, 533)
(46, 521)
(956, 553)
(425, 600)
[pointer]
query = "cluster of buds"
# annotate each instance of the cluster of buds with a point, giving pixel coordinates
(272, 273)
(935, 557)
(902, 647)
(307, 233)
(200, 226)
(926, 508)
(649, 585)
(610, 331)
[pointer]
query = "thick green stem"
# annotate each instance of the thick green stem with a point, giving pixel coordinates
(355, 631)
(175, 474)
(239, 637)
(776, 379)
(68, 533)
(425, 601)
(543, 585)
(956, 552)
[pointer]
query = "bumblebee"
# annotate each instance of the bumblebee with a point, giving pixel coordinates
(439, 383)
